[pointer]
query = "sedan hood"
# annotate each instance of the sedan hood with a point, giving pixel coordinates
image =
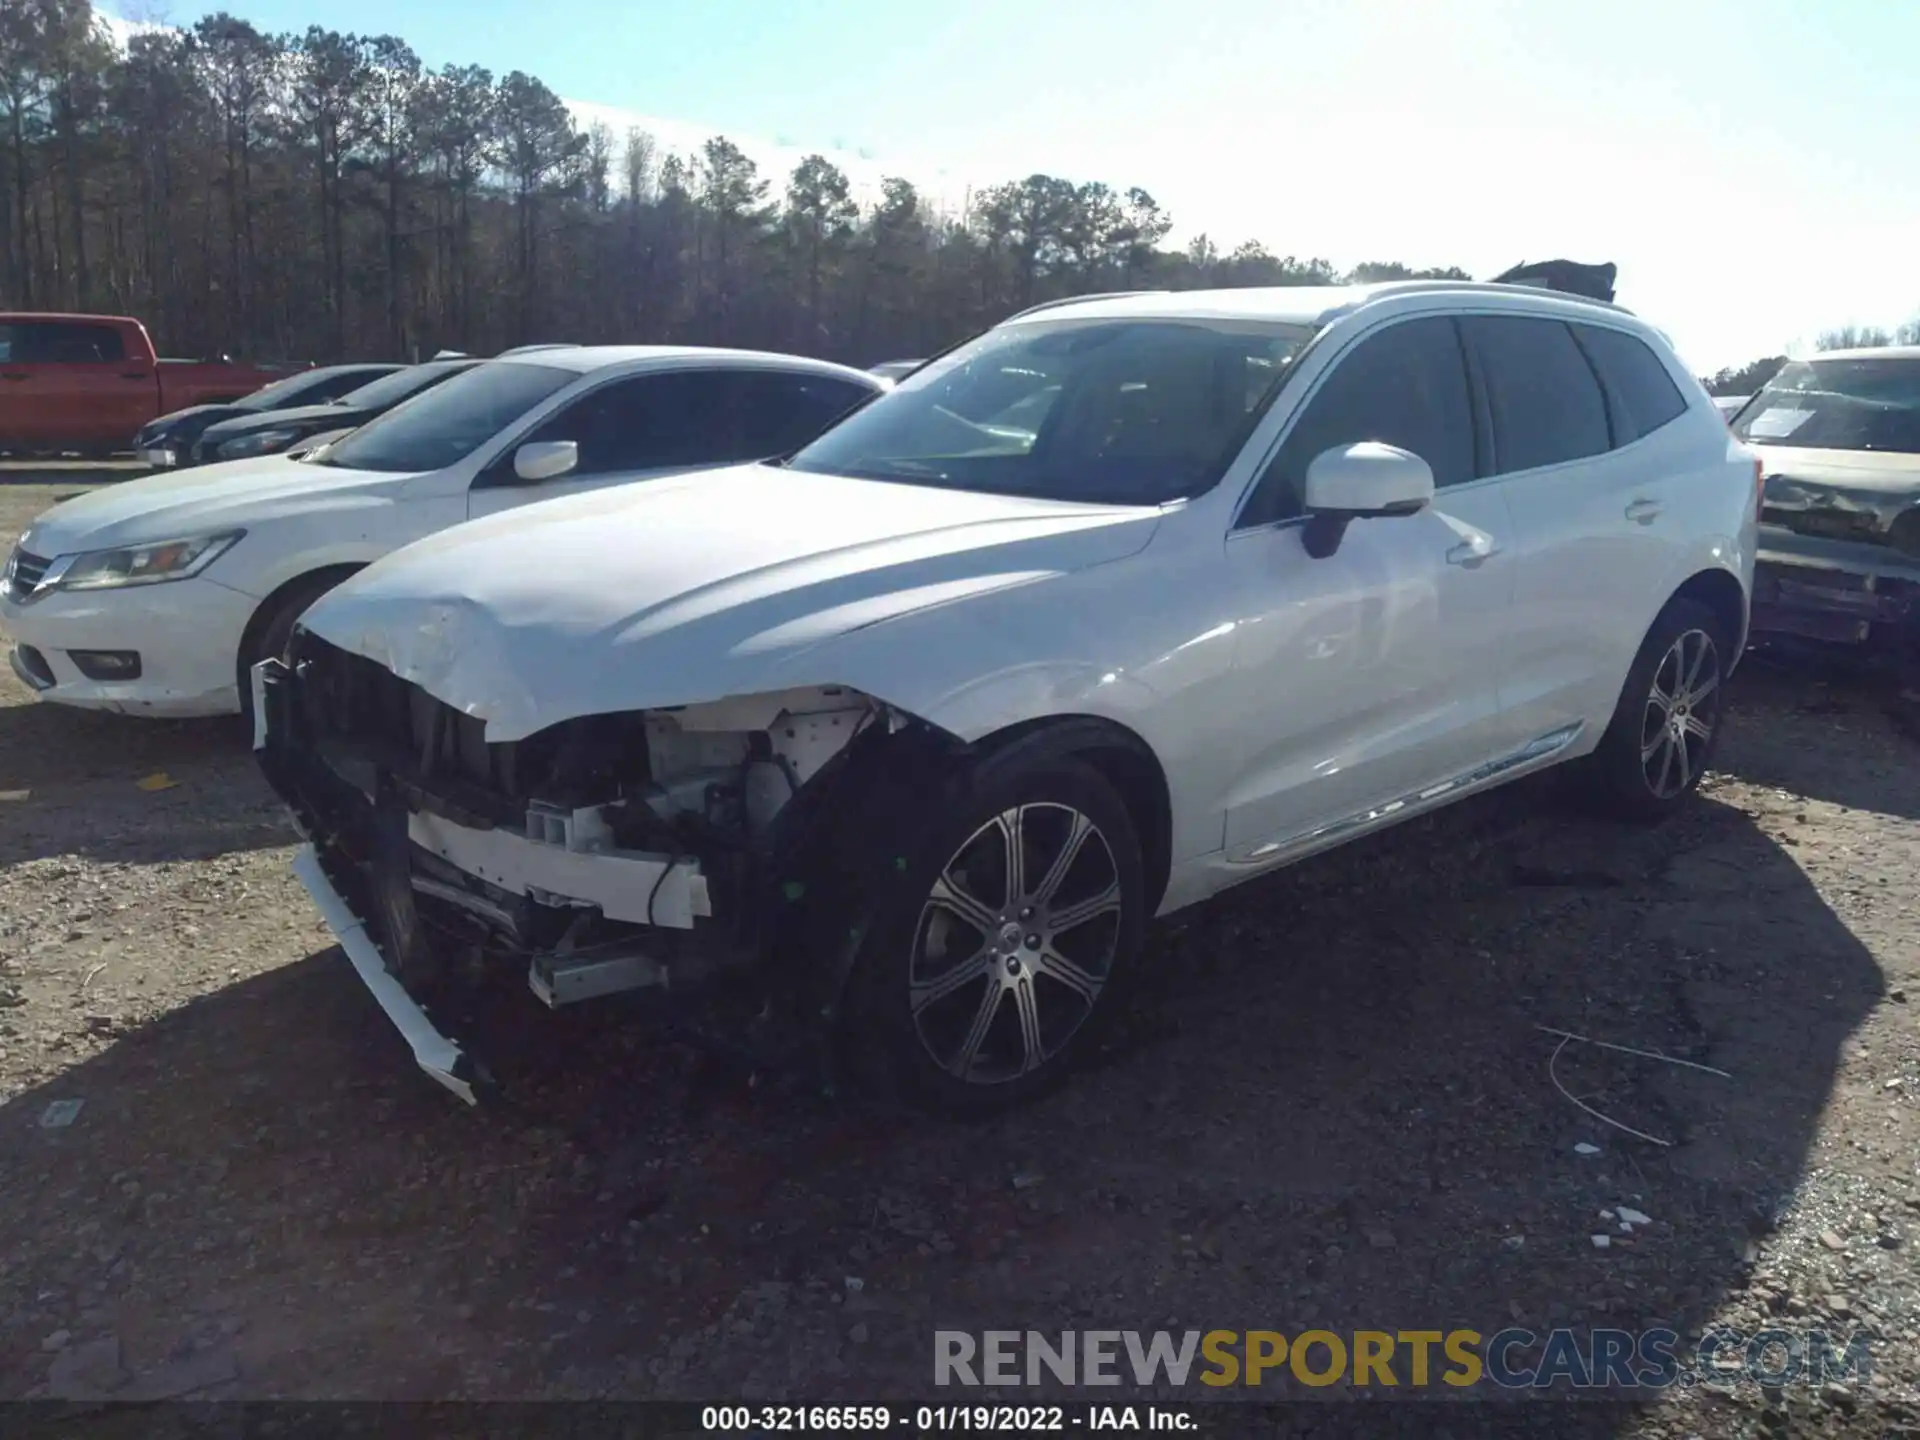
(1854, 490)
(304, 418)
(679, 591)
(204, 500)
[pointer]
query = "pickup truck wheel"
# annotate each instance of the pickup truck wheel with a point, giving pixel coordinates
(1668, 720)
(272, 626)
(1001, 949)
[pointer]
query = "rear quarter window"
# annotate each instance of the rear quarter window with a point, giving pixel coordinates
(1641, 392)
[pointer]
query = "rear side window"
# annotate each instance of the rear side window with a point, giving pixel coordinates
(779, 412)
(1405, 386)
(1547, 405)
(1642, 393)
(59, 343)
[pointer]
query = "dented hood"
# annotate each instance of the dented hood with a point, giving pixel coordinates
(680, 591)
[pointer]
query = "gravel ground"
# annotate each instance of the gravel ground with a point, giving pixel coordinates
(1332, 1108)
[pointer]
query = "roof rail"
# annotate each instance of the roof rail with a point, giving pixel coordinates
(1076, 299)
(1490, 287)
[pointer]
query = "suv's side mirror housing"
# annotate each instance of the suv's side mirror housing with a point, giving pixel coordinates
(545, 460)
(1367, 481)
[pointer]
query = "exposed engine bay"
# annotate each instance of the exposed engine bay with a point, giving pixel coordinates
(606, 853)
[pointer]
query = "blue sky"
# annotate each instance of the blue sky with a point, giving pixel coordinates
(1749, 164)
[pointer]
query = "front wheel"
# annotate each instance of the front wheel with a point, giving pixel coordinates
(1668, 719)
(1001, 949)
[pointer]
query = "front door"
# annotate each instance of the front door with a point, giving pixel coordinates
(1370, 676)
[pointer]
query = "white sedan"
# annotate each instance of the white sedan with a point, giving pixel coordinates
(1127, 601)
(155, 597)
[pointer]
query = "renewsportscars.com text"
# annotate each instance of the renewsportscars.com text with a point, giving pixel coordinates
(1513, 1358)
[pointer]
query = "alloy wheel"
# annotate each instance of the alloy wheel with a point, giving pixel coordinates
(1682, 709)
(1015, 943)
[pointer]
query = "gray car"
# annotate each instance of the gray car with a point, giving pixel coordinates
(1839, 559)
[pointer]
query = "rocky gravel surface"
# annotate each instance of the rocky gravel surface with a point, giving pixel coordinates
(1331, 1107)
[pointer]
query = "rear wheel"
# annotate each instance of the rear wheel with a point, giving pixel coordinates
(1668, 719)
(1004, 941)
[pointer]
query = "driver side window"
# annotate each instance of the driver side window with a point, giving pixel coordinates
(649, 422)
(1405, 386)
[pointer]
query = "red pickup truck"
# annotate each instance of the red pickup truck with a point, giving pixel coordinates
(87, 383)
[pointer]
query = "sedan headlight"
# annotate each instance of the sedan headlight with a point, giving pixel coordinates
(142, 564)
(261, 442)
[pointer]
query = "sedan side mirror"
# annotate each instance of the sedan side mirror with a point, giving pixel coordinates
(545, 459)
(1361, 482)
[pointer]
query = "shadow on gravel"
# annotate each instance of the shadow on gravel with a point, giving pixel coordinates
(71, 782)
(1827, 729)
(1330, 1108)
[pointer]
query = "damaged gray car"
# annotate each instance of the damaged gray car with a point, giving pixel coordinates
(1839, 558)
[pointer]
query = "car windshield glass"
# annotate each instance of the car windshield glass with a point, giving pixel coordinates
(1124, 412)
(279, 393)
(390, 390)
(1869, 403)
(450, 421)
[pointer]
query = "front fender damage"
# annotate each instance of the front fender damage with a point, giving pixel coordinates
(730, 847)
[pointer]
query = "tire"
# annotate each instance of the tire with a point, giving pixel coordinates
(272, 626)
(1668, 720)
(1036, 994)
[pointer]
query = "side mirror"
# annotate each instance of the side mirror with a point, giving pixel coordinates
(1361, 482)
(545, 459)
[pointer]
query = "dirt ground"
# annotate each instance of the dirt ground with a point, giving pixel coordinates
(1331, 1107)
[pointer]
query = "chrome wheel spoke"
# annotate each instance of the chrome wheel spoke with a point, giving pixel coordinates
(1082, 982)
(1072, 917)
(1012, 827)
(1070, 849)
(1706, 685)
(976, 1035)
(1032, 1052)
(929, 992)
(949, 896)
(1698, 728)
(1692, 672)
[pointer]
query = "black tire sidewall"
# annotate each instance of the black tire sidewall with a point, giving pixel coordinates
(879, 1013)
(270, 637)
(1618, 772)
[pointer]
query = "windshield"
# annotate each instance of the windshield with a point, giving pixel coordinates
(390, 390)
(1871, 403)
(450, 421)
(281, 393)
(1123, 412)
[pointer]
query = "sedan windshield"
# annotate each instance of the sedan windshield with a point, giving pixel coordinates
(1122, 412)
(390, 390)
(1868, 403)
(449, 422)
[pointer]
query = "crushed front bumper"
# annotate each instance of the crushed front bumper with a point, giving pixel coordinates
(1841, 592)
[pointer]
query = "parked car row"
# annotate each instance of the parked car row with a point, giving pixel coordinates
(908, 706)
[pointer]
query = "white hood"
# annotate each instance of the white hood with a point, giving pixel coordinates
(681, 591)
(200, 501)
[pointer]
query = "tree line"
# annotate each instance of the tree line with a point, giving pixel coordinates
(327, 196)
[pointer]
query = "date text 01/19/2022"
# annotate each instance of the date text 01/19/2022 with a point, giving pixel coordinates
(942, 1419)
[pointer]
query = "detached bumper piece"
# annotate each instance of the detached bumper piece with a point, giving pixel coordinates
(1832, 605)
(295, 777)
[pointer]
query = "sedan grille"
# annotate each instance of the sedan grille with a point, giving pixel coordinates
(24, 573)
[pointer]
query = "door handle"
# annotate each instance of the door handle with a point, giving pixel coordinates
(14, 376)
(133, 374)
(1472, 552)
(1644, 512)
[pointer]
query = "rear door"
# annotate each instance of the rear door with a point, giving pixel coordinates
(1373, 674)
(1580, 415)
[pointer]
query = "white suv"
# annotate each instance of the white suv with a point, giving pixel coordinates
(1121, 603)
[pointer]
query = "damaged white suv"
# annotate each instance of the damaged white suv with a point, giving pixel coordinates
(1121, 603)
